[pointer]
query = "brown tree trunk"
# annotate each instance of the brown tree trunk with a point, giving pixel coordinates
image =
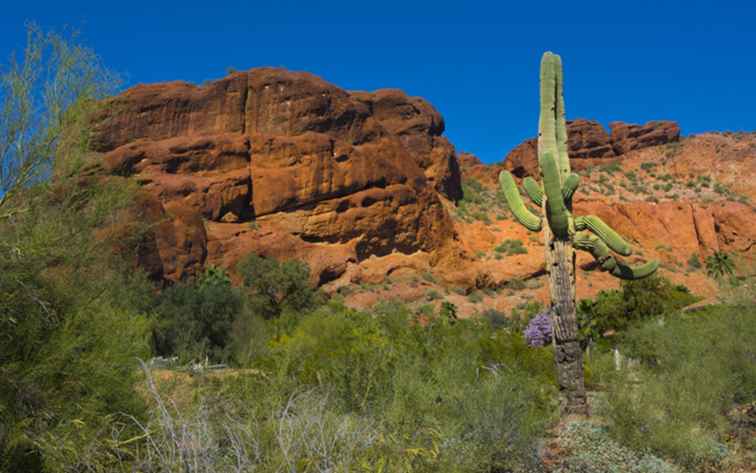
(560, 266)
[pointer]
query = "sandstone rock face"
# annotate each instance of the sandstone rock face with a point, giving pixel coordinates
(588, 140)
(320, 165)
(627, 137)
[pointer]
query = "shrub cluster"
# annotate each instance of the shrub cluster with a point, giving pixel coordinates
(663, 406)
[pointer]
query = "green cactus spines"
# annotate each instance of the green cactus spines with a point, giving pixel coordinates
(623, 271)
(586, 241)
(569, 186)
(588, 233)
(547, 134)
(564, 234)
(605, 232)
(533, 189)
(556, 212)
(561, 122)
(527, 218)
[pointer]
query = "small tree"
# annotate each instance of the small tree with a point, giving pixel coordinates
(56, 82)
(563, 233)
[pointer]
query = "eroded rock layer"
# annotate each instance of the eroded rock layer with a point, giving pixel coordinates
(587, 140)
(285, 156)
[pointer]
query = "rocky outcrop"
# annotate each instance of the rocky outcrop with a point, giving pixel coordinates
(627, 137)
(588, 140)
(307, 162)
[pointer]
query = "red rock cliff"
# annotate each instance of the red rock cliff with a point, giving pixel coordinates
(282, 163)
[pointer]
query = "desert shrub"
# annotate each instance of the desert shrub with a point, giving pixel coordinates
(195, 318)
(610, 168)
(522, 314)
(71, 323)
(448, 311)
(511, 247)
(663, 406)
(496, 318)
(277, 286)
(418, 383)
(516, 284)
(432, 295)
(472, 191)
(590, 449)
(647, 166)
(693, 262)
(482, 216)
(616, 310)
(719, 264)
(339, 347)
(475, 297)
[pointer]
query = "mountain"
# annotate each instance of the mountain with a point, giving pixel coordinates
(364, 187)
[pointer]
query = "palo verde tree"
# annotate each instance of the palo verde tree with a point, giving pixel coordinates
(563, 233)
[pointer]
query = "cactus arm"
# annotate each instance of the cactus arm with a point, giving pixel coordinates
(556, 212)
(586, 241)
(600, 251)
(533, 190)
(569, 186)
(528, 220)
(604, 232)
(624, 271)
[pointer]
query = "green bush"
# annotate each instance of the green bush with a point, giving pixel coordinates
(276, 287)
(195, 319)
(693, 262)
(590, 449)
(511, 247)
(664, 406)
(720, 264)
(72, 323)
(617, 310)
(610, 168)
(647, 166)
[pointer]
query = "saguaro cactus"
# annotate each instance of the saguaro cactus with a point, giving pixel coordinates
(562, 233)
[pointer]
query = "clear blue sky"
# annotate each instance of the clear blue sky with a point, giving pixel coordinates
(477, 62)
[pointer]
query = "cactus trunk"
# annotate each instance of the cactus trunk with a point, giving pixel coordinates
(563, 234)
(560, 254)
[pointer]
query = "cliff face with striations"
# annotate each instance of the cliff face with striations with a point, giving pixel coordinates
(364, 188)
(280, 162)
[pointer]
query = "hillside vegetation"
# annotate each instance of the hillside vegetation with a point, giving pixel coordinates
(258, 366)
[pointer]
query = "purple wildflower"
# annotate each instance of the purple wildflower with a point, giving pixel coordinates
(538, 331)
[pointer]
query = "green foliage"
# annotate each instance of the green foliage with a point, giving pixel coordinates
(72, 322)
(611, 168)
(590, 449)
(663, 406)
(276, 287)
(472, 191)
(52, 85)
(648, 166)
(195, 319)
(475, 297)
(693, 262)
(511, 247)
(462, 396)
(448, 311)
(616, 310)
(720, 264)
